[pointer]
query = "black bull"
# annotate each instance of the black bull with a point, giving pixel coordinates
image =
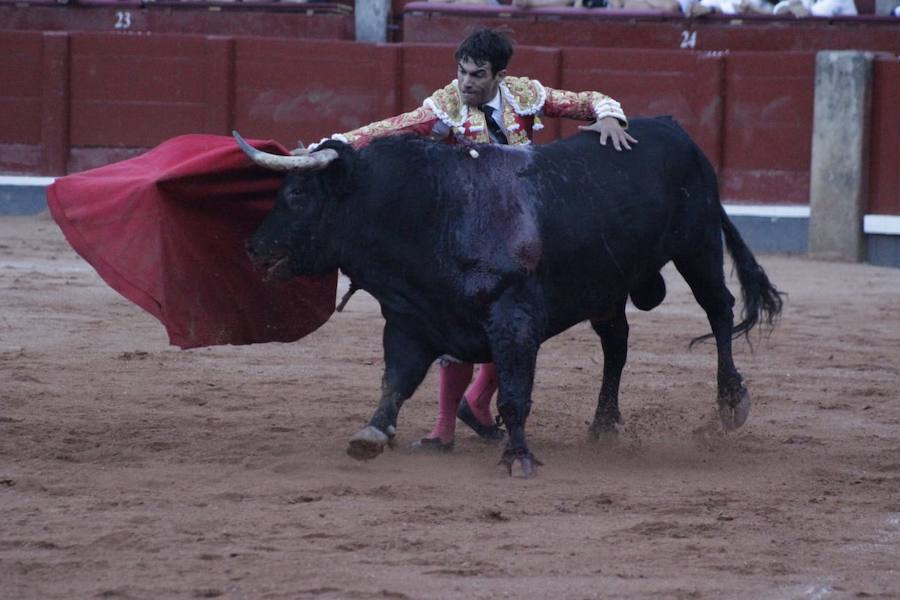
(484, 252)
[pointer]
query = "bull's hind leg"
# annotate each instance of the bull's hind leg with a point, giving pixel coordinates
(406, 361)
(704, 273)
(614, 339)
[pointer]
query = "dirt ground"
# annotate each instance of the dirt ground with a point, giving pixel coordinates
(130, 469)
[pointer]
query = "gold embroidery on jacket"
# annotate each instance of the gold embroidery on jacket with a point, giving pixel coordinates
(524, 100)
(392, 126)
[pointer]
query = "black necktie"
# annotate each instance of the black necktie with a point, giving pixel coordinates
(496, 133)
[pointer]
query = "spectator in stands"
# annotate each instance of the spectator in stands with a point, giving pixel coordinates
(650, 5)
(544, 3)
(466, 1)
(726, 7)
(484, 105)
(665, 6)
(816, 8)
(681, 7)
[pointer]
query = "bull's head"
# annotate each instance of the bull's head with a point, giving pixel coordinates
(297, 237)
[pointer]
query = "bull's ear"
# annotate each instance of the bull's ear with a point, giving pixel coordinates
(338, 176)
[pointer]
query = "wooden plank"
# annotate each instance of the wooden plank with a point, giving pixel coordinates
(292, 89)
(136, 90)
(21, 87)
(884, 159)
(768, 126)
(55, 103)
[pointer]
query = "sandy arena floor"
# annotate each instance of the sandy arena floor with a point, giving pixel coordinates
(130, 469)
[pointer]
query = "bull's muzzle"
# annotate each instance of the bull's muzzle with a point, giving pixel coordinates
(274, 267)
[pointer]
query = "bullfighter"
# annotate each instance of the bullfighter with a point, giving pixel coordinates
(484, 105)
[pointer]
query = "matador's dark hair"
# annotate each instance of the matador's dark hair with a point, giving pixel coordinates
(486, 46)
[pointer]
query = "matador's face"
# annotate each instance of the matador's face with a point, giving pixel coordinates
(477, 83)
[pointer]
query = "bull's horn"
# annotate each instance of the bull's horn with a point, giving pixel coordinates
(305, 162)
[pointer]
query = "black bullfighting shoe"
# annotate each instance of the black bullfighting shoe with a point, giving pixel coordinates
(427, 444)
(492, 433)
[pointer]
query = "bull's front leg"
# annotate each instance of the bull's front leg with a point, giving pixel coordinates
(515, 341)
(406, 361)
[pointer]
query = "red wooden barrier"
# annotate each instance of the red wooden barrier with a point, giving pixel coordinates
(21, 91)
(884, 176)
(288, 89)
(70, 102)
(55, 124)
(132, 92)
(768, 127)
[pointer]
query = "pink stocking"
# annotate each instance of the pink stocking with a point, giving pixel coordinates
(479, 393)
(454, 379)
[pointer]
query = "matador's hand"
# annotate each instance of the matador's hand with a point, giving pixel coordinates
(609, 127)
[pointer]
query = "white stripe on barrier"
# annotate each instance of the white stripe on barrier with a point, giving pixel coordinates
(872, 224)
(881, 224)
(14, 180)
(787, 211)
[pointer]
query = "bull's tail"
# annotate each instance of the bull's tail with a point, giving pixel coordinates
(762, 301)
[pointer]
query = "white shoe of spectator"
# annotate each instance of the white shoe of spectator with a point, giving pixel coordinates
(698, 10)
(798, 8)
(693, 8)
(831, 8)
(759, 7)
(726, 7)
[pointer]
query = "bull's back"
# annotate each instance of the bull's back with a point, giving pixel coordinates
(577, 221)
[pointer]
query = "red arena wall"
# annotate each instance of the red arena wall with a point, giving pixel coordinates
(884, 177)
(72, 101)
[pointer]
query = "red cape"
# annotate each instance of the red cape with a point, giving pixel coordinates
(167, 230)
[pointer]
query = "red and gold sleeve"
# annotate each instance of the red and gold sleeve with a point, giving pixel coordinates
(586, 106)
(420, 122)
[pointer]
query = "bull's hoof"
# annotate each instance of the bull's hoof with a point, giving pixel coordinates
(603, 434)
(367, 443)
(734, 410)
(520, 464)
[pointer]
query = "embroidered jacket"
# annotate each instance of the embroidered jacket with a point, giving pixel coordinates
(444, 115)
